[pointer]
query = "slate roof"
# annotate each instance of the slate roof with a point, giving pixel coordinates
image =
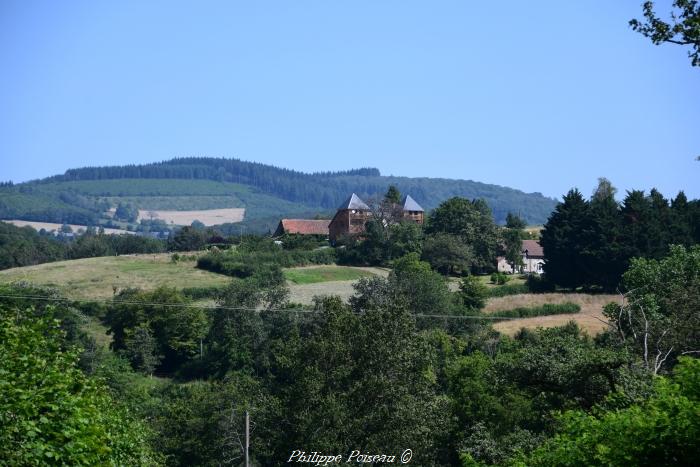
(354, 202)
(533, 248)
(305, 226)
(409, 204)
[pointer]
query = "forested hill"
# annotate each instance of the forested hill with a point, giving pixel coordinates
(322, 190)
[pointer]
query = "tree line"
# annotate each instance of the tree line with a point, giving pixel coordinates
(323, 190)
(591, 242)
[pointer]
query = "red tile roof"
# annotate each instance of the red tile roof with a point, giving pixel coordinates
(534, 249)
(305, 226)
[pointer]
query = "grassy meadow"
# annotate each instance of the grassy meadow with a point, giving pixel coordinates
(312, 275)
(97, 278)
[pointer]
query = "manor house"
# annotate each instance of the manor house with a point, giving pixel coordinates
(349, 219)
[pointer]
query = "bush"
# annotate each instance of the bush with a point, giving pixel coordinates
(241, 263)
(499, 278)
(473, 293)
(539, 284)
(510, 289)
(544, 310)
(199, 293)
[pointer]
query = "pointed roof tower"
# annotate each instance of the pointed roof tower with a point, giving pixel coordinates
(409, 204)
(354, 202)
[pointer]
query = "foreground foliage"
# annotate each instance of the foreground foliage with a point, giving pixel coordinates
(50, 412)
(662, 430)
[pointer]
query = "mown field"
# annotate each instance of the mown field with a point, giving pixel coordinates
(207, 217)
(315, 274)
(590, 318)
(97, 278)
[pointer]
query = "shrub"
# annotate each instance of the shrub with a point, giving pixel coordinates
(199, 293)
(499, 278)
(543, 310)
(473, 293)
(539, 284)
(241, 263)
(510, 289)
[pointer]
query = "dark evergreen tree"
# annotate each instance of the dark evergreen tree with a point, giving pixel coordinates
(659, 223)
(565, 234)
(604, 253)
(680, 230)
(636, 217)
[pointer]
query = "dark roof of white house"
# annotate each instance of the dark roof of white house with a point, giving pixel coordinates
(354, 202)
(533, 249)
(409, 204)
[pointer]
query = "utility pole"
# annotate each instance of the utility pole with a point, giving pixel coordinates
(247, 438)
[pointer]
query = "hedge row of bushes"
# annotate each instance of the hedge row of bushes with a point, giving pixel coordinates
(508, 289)
(244, 264)
(200, 293)
(544, 310)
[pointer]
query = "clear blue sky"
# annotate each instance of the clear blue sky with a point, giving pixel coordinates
(540, 96)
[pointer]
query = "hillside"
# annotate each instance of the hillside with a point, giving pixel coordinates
(266, 192)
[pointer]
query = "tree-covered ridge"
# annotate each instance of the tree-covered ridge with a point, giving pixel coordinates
(322, 190)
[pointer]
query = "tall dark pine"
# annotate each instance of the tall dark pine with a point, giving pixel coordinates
(636, 220)
(694, 208)
(681, 227)
(604, 254)
(565, 238)
(659, 223)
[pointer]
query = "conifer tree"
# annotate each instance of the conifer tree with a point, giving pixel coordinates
(563, 237)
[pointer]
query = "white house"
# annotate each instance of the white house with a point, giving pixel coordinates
(533, 259)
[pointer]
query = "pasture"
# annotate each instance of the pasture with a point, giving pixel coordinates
(315, 274)
(97, 278)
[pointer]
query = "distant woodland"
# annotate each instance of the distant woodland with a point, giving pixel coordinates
(267, 192)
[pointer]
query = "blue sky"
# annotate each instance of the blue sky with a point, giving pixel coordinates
(540, 96)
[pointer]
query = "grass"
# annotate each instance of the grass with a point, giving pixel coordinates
(542, 310)
(590, 318)
(96, 278)
(313, 275)
(98, 331)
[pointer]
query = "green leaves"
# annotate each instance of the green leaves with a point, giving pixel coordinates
(50, 412)
(663, 430)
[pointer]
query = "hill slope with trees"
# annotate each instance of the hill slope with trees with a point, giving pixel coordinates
(267, 192)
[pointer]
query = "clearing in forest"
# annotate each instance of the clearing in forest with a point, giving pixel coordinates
(205, 216)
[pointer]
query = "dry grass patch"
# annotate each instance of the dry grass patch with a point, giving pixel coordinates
(590, 318)
(96, 278)
(205, 216)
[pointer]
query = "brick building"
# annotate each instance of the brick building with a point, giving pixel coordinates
(353, 214)
(349, 219)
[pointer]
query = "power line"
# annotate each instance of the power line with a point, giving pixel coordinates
(230, 308)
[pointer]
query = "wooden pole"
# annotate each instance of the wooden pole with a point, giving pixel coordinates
(247, 438)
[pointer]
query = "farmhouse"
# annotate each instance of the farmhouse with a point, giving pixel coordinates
(353, 214)
(349, 219)
(302, 227)
(533, 259)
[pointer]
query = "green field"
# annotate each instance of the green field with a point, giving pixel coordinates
(96, 278)
(312, 275)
